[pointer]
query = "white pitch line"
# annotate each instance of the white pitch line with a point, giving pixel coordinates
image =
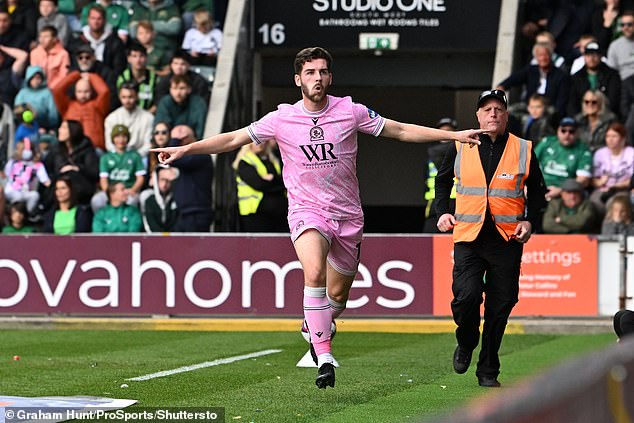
(203, 365)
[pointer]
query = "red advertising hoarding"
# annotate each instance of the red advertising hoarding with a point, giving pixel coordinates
(558, 276)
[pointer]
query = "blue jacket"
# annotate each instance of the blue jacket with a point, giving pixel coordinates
(40, 99)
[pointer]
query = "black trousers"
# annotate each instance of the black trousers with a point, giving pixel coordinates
(491, 266)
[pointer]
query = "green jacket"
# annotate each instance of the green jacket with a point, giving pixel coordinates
(117, 219)
(582, 220)
(193, 113)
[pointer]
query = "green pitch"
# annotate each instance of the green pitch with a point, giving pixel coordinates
(383, 378)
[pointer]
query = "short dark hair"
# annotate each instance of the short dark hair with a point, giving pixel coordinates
(129, 85)
(136, 46)
(49, 28)
(308, 55)
(52, 1)
(177, 79)
(180, 54)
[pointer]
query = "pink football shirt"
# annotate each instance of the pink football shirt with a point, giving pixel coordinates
(319, 151)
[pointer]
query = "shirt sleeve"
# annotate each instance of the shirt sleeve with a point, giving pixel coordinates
(263, 129)
(368, 121)
(444, 181)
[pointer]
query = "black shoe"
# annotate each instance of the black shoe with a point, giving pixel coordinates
(461, 360)
(488, 382)
(325, 376)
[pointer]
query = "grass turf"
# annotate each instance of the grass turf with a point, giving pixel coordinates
(384, 377)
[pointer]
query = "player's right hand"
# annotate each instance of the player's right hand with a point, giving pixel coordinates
(446, 222)
(167, 155)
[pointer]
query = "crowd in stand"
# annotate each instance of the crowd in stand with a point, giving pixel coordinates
(87, 88)
(573, 99)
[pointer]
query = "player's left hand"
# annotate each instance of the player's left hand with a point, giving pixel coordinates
(522, 231)
(469, 136)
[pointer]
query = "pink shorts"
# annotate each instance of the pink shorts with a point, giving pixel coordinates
(344, 237)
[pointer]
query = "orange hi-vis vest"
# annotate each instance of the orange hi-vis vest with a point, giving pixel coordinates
(504, 196)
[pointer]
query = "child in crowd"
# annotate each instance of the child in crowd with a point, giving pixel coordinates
(28, 127)
(203, 42)
(18, 217)
(122, 166)
(618, 218)
(49, 15)
(537, 123)
(37, 97)
(23, 173)
(157, 59)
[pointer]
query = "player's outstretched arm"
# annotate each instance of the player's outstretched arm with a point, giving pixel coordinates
(220, 143)
(416, 133)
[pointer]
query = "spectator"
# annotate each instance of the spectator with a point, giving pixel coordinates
(84, 60)
(117, 216)
(74, 157)
(121, 165)
(189, 7)
(546, 38)
(145, 79)
(160, 138)
(106, 45)
(158, 207)
(618, 218)
(117, 16)
(157, 58)
(51, 56)
(23, 17)
(181, 107)
(90, 111)
(7, 134)
(11, 72)
(203, 42)
(595, 75)
(605, 23)
(562, 157)
(621, 50)
(17, 219)
(572, 213)
(436, 153)
(138, 121)
(10, 37)
(262, 199)
(27, 128)
(179, 65)
(580, 60)
(38, 97)
(537, 123)
(67, 216)
(23, 173)
(594, 119)
(165, 17)
(613, 166)
(543, 78)
(49, 16)
(192, 190)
